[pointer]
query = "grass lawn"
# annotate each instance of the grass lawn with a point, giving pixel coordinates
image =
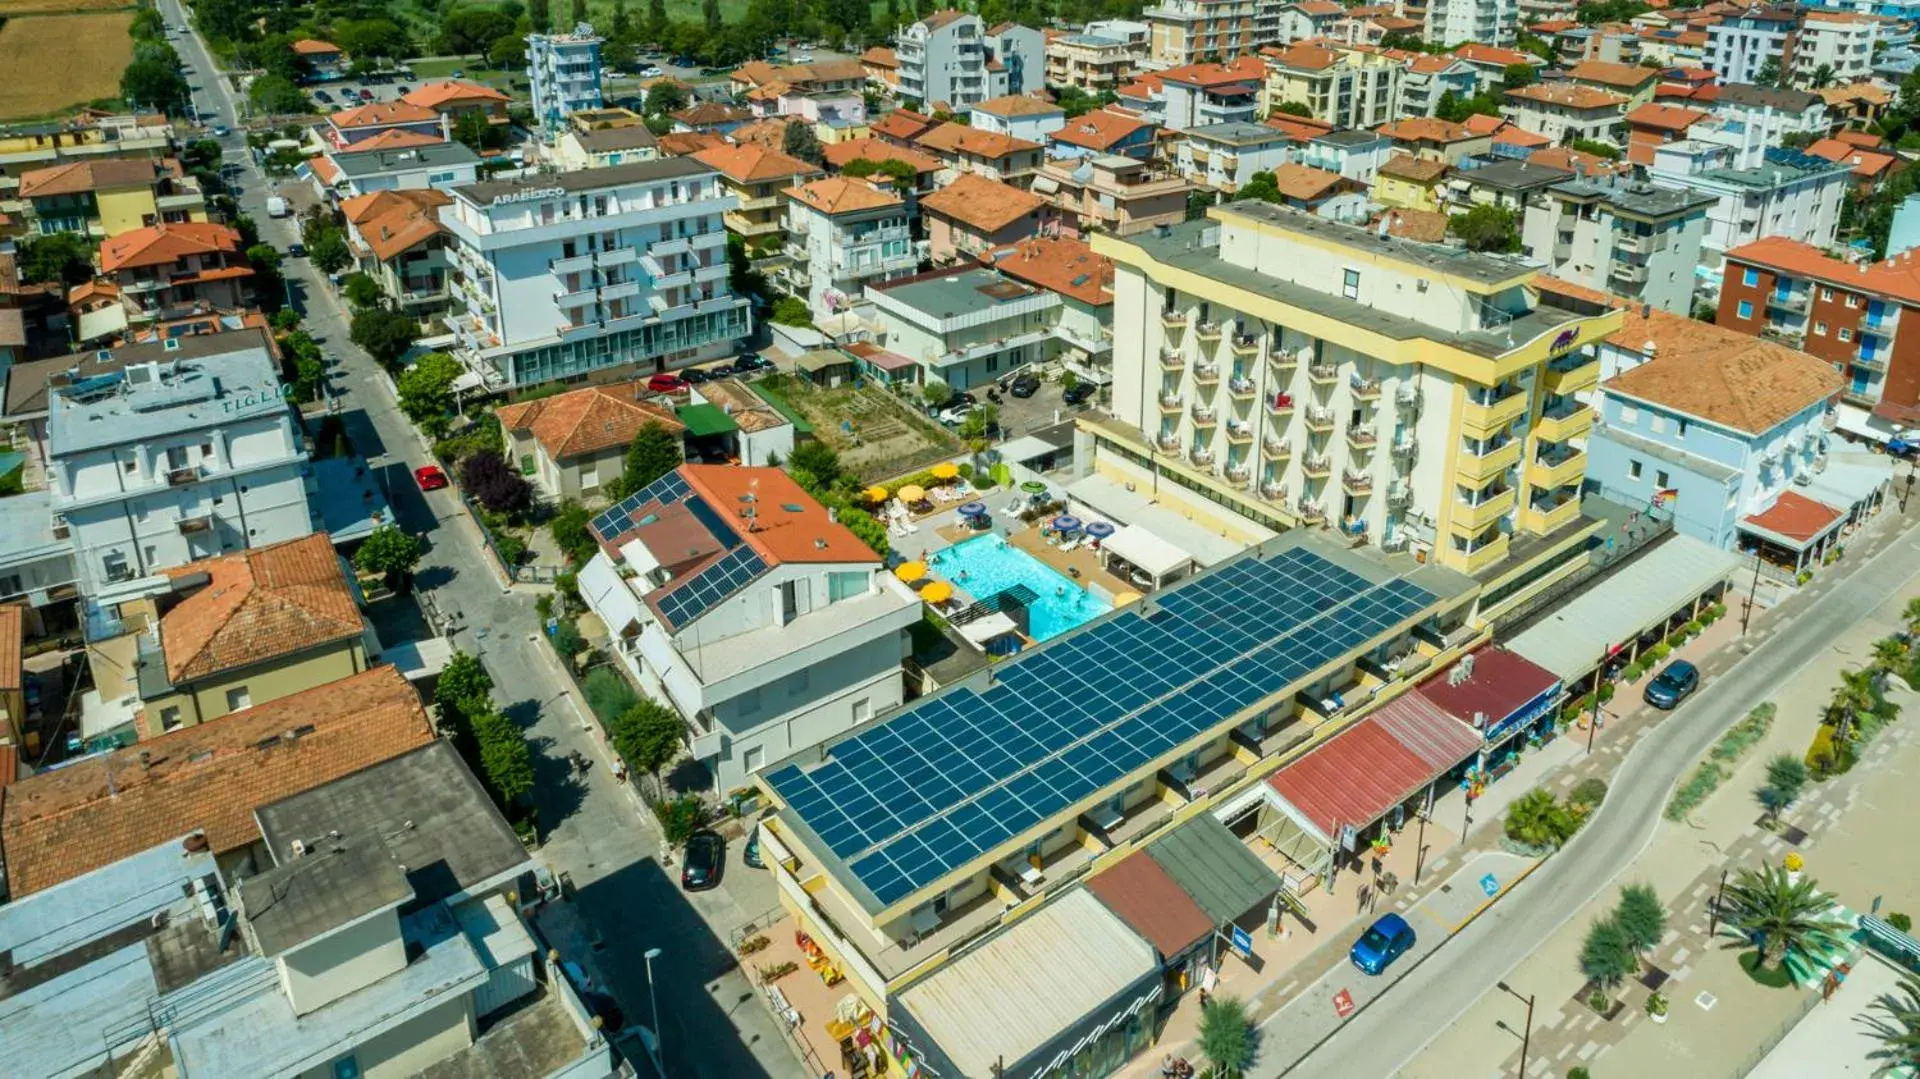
(1774, 978)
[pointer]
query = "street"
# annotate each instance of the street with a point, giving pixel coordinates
(594, 828)
(1380, 1041)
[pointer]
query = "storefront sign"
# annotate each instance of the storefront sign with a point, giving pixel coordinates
(1525, 715)
(240, 402)
(1243, 943)
(534, 195)
(1343, 1004)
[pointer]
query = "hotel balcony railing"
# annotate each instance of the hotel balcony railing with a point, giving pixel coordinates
(1274, 492)
(1240, 386)
(1208, 331)
(1322, 374)
(1170, 401)
(1239, 431)
(1317, 465)
(1171, 359)
(1206, 374)
(1275, 446)
(1365, 389)
(1204, 417)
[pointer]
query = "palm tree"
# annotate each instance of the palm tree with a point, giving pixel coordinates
(1912, 615)
(1782, 917)
(1226, 1037)
(1854, 695)
(1890, 654)
(1897, 1027)
(1536, 820)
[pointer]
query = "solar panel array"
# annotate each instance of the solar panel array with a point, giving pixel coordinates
(913, 798)
(667, 490)
(692, 598)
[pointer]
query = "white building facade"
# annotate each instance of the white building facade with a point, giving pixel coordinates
(1630, 239)
(1739, 45)
(1488, 22)
(943, 57)
(563, 71)
(1759, 192)
(841, 234)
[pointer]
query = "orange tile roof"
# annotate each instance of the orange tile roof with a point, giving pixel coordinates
(753, 164)
(307, 46)
(1562, 157)
(1012, 105)
(1475, 53)
(689, 143)
(392, 139)
(987, 205)
(1318, 7)
(1058, 264)
(394, 221)
(1100, 129)
(789, 525)
(261, 604)
(211, 776)
(1425, 226)
(1665, 117)
(1863, 139)
(957, 138)
(163, 245)
(709, 113)
(76, 177)
(767, 134)
(1429, 64)
(1552, 26)
(1419, 170)
(1304, 182)
(1426, 129)
(449, 91)
(842, 154)
(1607, 73)
(1512, 135)
(880, 56)
(903, 125)
(323, 167)
(1796, 517)
(1241, 69)
(1304, 56)
(1859, 91)
(1299, 128)
(841, 195)
(381, 114)
(1866, 164)
(12, 640)
(1482, 124)
(1568, 94)
(1897, 277)
(588, 420)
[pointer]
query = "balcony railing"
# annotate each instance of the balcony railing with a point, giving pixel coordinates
(1206, 374)
(1275, 446)
(1356, 482)
(1239, 431)
(1204, 416)
(1365, 389)
(1167, 443)
(1317, 464)
(1245, 344)
(1361, 438)
(1240, 386)
(1170, 401)
(1280, 404)
(1274, 492)
(1200, 456)
(1309, 510)
(1320, 418)
(1322, 374)
(1171, 359)
(1208, 331)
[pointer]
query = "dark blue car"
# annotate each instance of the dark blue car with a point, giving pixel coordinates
(1673, 685)
(1383, 942)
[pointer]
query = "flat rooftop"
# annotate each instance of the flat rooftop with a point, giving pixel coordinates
(956, 776)
(316, 892)
(955, 294)
(1238, 132)
(377, 162)
(150, 401)
(1637, 199)
(638, 172)
(1459, 262)
(1514, 175)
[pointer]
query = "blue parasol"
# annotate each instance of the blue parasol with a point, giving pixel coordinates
(973, 509)
(1099, 529)
(1066, 522)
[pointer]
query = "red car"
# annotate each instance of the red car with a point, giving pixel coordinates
(666, 383)
(429, 477)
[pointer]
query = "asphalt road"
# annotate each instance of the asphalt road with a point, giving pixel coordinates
(1382, 1039)
(595, 831)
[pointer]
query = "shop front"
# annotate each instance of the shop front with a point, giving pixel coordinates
(1508, 698)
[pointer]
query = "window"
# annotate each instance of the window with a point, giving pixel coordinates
(798, 681)
(1660, 479)
(1350, 284)
(1629, 415)
(169, 718)
(1681, 428)
(115, 565)
(238, 699)
(1819, 328)
(754, 758)
(1846, 334)
(176, 457)
(845, 586)
(1633, 469)
(346, 1068)
(1750, 278)
(1657, 424)
(1746, 309)
(862, 710)
(130, 466)
(1853, 299)
(589, 475)
(1826, 295)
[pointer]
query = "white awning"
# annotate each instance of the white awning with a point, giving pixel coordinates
(609, 596)
(1851, 479)
(1623, 605)
(1146, 551)
(1107, 498)
(1045, 185)
(1861, 423)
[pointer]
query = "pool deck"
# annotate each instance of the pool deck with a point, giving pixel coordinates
(1081, 565)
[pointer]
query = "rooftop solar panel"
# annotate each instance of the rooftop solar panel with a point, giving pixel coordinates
(912, 798)
(617, 519)
(692, 598)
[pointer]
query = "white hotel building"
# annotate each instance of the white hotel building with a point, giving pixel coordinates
(561, 276)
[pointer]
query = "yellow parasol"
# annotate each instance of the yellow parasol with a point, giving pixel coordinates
(911, 493)
(1125, 598)
(945, 470)
(910, 571)
(876, 494)
(936, 592)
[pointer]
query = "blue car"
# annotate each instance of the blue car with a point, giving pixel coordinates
(1673, 685)
(1382, 943)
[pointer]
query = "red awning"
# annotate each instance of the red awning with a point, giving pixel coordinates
(1794, 521)
(1382, 761)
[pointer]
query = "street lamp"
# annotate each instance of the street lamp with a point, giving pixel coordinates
(654, 999)
(1526, 1036)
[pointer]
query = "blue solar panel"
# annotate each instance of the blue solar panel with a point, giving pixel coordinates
(712, 585)
(612, 522)
(908, 800)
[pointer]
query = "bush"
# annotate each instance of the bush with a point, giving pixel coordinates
(1900, 921)
(1658, 652)
(1632, 671)
(1589, 792)
(566, 640)
(608, 694)
(1714, 771)
(680, 817)
(496, 486)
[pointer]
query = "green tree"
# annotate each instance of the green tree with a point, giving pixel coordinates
(371, 38)
(1455, 109)
(571, 534)
(464, 685)
(361, 291)
(1641, 918)
(391, 553)
(1786, 780)
(620, 26)
(477, 133)
(1262, 186)
(792, 311)
(330, 254)
(799, 141)
(57, 257)
(1596, 148)
(655, 451)
(1227, 1037)
(710, 15)
(647, 736)
(540, 15)
(1769, 74)
(1514, 76)
(508, 52)
(656, 28)
(384, 334)
(817, 460)
(665, 96)
(155, 83)
(309, 365)
(469, 31)
(426, 392)
(276, 95)
(936, 393)
(1890, 654)
(1822, 77)
(1292, 108)
(1607, 955)
(579, 11)
(1536, 820)
(1487, 228)
(1783, 918)
(1894, 1020)
(1852, 698)
(148, 25)
(505, 756)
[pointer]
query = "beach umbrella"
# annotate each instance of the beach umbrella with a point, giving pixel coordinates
(876, 494)
(1125, 598)
(1066, 522)
(1034, 487)
(945, 470)
(1099, 529)
(911, 493)
(973, 509)
(910, 571)
(937, 592)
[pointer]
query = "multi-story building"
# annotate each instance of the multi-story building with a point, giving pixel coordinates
(1355, 154)
(364, 123)
(841, 234)
(1834, 46)
(569, 274)
(1637, 83)
(1118, 195)
(187, 451)
(1741, 42)
(574, 443)
(943, 59)
(1016, 59)
(1191, 31)
(1569, 112)
(396, 239)
(455, 98)
(1103, 133)
(1296, 373)
(1490, 62)
(967, 328)
(1857, 106)
(831, 93)
(1653, 126)
(970, 151)
(1083, 328)
(1762, 191)
(37, 575)
(104, 197)
(1088, 62)
(750, 610)
(1019, 116)
(1627, 238)
(1202, 94)
(973, 214)
(1770, 113)
(1308, 19)
(166, 272)
(1223, 157)
(1489, 22)
(1345, 87)
(378, 165)
(754, 177)
(1405, 182)
(603, 137)
(1863, 318)
(1426, 136)
(1509, 184)
(1427, 79)
(563, 73)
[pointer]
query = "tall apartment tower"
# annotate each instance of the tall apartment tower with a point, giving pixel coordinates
(564, 70)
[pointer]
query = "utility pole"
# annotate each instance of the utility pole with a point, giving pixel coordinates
(1599, 676)
(1713, 910)
(1746, 613)
(1420, 850)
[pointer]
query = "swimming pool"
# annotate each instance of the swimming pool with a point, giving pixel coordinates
(985, 565)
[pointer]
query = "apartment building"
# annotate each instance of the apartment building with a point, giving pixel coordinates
(1018, 116)
(1858, 106)
(1016, 59)
(1353, 153)
(1569, 112)
(1426, 79)
(1265, 362)
(396, 239)
(744, 605)
(1653, 126)
(25, 147)
(1489, 22)
(1223, 157)
(1762, 191)
(1089, 62)
(754, 176)
(973, 213)
(831, 93)
(1405, 182)
(1859, 316)
(187, 451)
(393, 163)
(1202, 94)
(105, 197)
(1425, 136)
(563, 73)
(363, 124)
(1490, 62)
(841, 234)
(1083, 327)
(1118, 195)
(564, 275)
(1741, 42)
(1509, 184)
(1345, 87)
(1309, 19)
(37, 575)
(575, 442)
(1836, 46)
(165, 272)
(943, 59)
(1770, 112)
(1191, 31)
(1633, 81)
(971, 151)
(1624, 237)
(1103, 133)
(967, 328)
(455, 98)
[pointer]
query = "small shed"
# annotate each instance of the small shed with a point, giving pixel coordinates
(825, 367)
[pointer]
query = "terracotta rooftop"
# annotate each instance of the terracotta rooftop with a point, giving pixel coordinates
(842, 154)
(394, 138)
(957, 138)
(1514, 135)
(1422, 226)
(712, 112)
(880, 56)
(1318, 7)
(77, 177)
(307, 46)
(1426, 129)
(12, 638)
(1213, 76)
(383, 113)
(987, 205)
(1897, 277)
(1866, 140)
(1490, 54)
(902, 125)
(261, 604)
(1796, 517)
(1866, 163)
(1482, 124)
(1860, 91)
(1586, 164)
(753, 164)
(1101, 129)
(1304, 182)
(689, 143)
(768, 134)
(1304, 56)
(1568, 95)
(1665, 117)
(393, 221)
(1153, 904)
(1299, 128)
(789, 525)
(1059, 264)
(1607, 73)
(588, 420)
(433, 95)
(1495, 685)
(841, 195)
(1717, 374)
(164, 245)
(210, 776)
(1419, 170)
(1012, 105)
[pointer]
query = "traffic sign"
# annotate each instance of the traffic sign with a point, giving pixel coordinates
(1243, 942)
(1343, 1004)
(1490, 884)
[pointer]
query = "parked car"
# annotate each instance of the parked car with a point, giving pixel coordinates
(1384, 941)
(748, 362)
(366, 95)
(696, 375)
(666, 382)
(221, 131)
(1024, 384)
(403, 90)
(955, 415)
(457, 74)
(704, 861)
(296, 250)
(1674, 684)
(751, 855)
(1078, 392)
(322, 95)
(651, 71)
(430, 477)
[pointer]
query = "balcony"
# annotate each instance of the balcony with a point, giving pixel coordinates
(1572, 373)
(1478, 467)
(1355, 482)
(1207, 331)
(1239, 431)
(1560, 468)
(1240, 388)
(1364, 389)
(1173, 320)
(1629, 273)
(1407, 400)
(1399, 494)
(1483, 555)
(1275, 493)
(180, 477)
(1201, 456)
(1631, 242)
(1170, 401)
(619, 290)
(1544, 516)
(1245, 344)
(1171, 359)
(1280, 405)
(1320, 419)
(1487, 413)
(618, 256)
(1167, 443)
(1317, 465)
(1404, 448)
(1322, 374)
(1870, 361)
(1276, 448)
(1361, 439)
(1471, 518)
(1206, 374)
(1788, 301)
(1310, 512)
(1239, 474)
(1560, 422)
(1204, 416)
(563, 266)
(1282, 362)
(584, 297)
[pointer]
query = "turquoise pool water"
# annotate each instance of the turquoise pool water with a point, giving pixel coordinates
(985, 565)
